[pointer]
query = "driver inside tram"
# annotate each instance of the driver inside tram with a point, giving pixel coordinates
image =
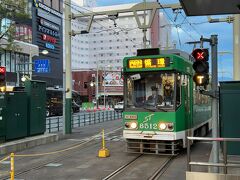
(155, 97)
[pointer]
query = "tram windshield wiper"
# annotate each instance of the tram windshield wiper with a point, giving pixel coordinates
(162, 109)
(149, 109)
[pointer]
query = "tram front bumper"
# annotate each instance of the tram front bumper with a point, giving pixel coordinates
(151, 135)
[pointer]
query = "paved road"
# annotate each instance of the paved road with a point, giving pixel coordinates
(82, 163)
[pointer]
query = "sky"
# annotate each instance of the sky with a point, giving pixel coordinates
(191, 28)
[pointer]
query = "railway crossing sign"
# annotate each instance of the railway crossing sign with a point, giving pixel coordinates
(42, 66)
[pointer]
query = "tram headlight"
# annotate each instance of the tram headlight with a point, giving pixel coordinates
(162, 126)
(131, 125)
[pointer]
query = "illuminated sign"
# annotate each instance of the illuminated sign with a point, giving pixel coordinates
(48, 9)
(49, 38)
(50, 46)
(48, 31)
(42, 66)
(49, 17)
(148, 63)
(49, 25)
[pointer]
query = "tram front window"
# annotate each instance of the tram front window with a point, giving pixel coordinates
(152, 91)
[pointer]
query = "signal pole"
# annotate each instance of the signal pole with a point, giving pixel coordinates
(214, 94)
(215, 126)
(68, 71)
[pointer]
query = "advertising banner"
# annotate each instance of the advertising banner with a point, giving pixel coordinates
(113, 78)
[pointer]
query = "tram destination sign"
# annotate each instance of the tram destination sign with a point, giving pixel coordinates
(148, 63)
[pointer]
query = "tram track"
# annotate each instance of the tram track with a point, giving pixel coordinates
(163, 165)
(59, 156)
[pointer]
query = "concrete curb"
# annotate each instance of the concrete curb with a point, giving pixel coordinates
(29, 142)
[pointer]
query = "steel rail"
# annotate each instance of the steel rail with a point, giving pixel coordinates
(159, 172)
(122, 168)
(61, 156)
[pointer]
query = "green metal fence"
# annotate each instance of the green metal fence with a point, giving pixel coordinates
(55, 124)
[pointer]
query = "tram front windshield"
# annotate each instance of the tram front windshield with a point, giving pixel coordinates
(153, 91)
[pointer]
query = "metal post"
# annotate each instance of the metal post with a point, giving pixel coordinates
(236, 47)
(144, 30)
(188, 155)
(68, 88)
(18, 75)
(96, 93)
(12, 172)
(215, 149)
(30, 64)
(225, 156)
(104, 98)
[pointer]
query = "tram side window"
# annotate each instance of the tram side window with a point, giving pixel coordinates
(178, 91)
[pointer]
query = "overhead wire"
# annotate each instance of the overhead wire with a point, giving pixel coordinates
(175, 22)
(192, 25)
(114, 31)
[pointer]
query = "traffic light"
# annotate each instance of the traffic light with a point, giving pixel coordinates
(201, 67)
(2, 78)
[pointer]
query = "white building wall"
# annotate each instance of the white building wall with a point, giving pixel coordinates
(107, 44)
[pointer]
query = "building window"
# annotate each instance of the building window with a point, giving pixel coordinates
(56, 5)
(13, 62)
(8, 62)
(2, 57)
(26, 63)
(48, 2)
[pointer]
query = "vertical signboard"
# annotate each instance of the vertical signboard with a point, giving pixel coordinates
(47, 34)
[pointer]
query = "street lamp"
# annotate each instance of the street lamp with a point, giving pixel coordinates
(104, 86)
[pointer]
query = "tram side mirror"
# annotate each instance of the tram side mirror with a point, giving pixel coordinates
(135, 77)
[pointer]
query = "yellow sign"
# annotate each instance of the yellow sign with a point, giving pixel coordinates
(148, 63)
(135, 63)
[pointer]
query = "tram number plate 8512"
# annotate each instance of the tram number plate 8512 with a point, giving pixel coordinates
(148, 126)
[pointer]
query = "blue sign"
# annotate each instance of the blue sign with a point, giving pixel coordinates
(50, 46)
(42, 66)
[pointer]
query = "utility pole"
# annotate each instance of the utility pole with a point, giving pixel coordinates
(215, 126)
(144, 29)
(96, 93)
(236, 41)
(68, 71)
(236, 47)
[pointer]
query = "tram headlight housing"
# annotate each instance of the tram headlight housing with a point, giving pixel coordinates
(131, 125)
(162, 126)
(165, 126)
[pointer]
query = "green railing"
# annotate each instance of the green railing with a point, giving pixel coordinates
(55, 124)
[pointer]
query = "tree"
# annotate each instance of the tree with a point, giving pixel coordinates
(11, 12)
